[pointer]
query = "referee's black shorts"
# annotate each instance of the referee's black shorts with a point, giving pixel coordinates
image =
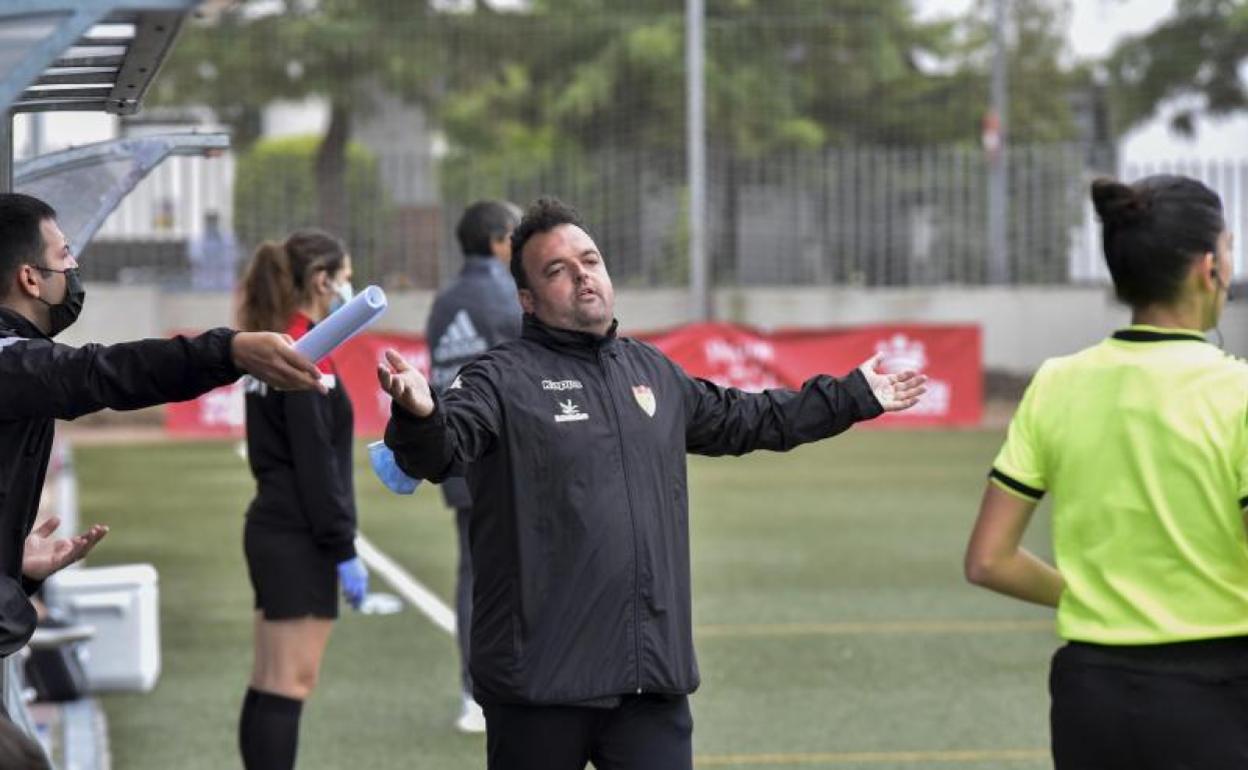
(1152, 707)
(291, 576)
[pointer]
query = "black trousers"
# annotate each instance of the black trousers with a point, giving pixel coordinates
(645, 732)
(1166, 707)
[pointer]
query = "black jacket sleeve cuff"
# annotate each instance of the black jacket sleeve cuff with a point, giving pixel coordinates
(30, 585)
(340, 552)
(865, 402)
(406, 418)
(222, 340)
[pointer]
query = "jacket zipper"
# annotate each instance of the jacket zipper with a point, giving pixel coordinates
(632, 519)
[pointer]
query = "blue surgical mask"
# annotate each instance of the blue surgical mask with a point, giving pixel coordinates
(343, 293)
(382, 459)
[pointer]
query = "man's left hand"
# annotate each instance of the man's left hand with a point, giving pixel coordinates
(895, 392)
(44, 554)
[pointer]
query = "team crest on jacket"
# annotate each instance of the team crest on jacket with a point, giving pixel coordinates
(645, 399)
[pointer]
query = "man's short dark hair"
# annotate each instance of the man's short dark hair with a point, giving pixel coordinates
(21, 239)
(484, 222)
(544, 215)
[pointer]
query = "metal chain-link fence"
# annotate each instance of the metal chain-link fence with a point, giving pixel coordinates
(849, 143)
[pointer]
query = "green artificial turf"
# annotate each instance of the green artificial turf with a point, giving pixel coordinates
(833, 625)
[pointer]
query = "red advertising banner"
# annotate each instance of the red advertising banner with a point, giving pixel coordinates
(221, 412)
(950, 355)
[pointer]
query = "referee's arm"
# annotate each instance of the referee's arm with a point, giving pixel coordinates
(995, 558)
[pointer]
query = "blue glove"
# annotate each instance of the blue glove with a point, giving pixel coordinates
(382, 459)
(353, 576)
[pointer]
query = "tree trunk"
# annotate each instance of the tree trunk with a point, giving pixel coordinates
(331, 172)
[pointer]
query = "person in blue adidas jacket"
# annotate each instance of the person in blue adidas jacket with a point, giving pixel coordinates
(477, 311)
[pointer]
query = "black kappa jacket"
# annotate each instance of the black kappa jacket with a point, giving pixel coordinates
(575, 453)
(41, 380)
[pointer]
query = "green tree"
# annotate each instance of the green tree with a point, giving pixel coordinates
(275, 193)
(238, 62)
(589, 95)
(782, 75)
(1041, 85)
(585, 75)
(1192, 60)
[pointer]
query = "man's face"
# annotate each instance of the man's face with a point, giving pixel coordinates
(569, 287)
(56, 253)
(49, 286)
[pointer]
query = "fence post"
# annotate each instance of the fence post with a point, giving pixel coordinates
(998, 157)
(695, 52)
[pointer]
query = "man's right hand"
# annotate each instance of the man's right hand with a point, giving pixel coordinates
(43, 553)
(271, 358)
(406, 386)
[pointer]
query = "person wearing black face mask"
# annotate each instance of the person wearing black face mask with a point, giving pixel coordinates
(63, 314)
(40, 381)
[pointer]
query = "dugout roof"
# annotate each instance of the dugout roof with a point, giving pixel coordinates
(96, 55)
(84, 184)
(88, 55)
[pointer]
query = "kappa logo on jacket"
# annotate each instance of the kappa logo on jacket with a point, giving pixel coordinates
(570, 412)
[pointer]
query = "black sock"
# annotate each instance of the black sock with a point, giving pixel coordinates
(244, 719)
(268, 731)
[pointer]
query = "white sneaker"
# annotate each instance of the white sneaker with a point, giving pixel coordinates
(471, 717)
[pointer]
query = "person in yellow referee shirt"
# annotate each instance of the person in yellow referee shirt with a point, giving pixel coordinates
(1142, 442)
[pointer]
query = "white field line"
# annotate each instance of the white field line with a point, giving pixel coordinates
(443, 616)
(408, 587)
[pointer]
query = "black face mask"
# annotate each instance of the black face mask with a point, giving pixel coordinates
(63, 314)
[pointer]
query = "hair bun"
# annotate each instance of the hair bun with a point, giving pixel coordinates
(1117, 203)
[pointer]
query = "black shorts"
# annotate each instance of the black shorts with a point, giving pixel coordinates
(291, 576)
(1154, 707)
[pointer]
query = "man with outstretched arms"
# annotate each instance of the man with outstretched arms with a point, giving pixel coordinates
(573, 440)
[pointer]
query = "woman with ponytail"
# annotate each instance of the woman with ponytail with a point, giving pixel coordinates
(1142, 441)
(300, 528)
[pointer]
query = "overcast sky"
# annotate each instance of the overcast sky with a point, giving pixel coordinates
(1095, 25)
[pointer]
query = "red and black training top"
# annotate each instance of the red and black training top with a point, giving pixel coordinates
(299, 446)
